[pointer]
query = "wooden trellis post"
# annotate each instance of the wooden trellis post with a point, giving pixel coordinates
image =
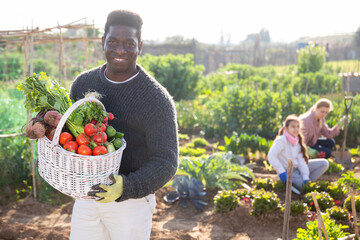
(353, 208)
(285, 235)
(320, 220)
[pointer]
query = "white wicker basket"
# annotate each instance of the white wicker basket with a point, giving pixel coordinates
(74, 174)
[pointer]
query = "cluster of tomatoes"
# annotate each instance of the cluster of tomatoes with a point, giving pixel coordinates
(97, 139)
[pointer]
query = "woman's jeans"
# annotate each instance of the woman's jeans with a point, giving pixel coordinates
(324, 145)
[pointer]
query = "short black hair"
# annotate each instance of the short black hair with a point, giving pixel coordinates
(124, 18)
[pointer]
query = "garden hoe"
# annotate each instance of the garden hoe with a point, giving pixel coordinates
(343, 156)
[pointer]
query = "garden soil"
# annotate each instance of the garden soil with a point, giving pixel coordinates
(30, 219)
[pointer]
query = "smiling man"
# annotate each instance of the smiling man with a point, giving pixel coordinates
(145, 112)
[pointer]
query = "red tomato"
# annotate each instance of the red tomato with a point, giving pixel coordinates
(101, 127)
(99, 150)
(100, 137)
(71, 146)
(111, 116)
(90, 129)
(84, 150)
(83, 139)
(65, 137)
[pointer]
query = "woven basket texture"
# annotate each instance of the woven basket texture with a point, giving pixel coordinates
(74, 174)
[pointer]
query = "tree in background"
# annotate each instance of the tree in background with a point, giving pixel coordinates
(177, 73)
(356, 40)
(311, 58)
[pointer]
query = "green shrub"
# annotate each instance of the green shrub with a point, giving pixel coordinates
(216, 171)
(225, 201)
(311, 58)
(298, 207)
(199, 142)
(334, 231)
(264, 183)
(347, 203)
(243, 143)
(246, 193)
(334, 168)
(183, 136)
(349, 180)
(336, 190)
(324, 200)
(177, 73)
(279, 186)
(338, 213)
(192, 152)
(265, 202)
(319, 186)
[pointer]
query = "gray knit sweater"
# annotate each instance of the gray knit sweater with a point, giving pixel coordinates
(145, 112)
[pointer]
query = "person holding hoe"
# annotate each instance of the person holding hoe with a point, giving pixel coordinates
(145, 112)
(317, 134)
(289, 144)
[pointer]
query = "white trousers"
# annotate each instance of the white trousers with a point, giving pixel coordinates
(127, 220)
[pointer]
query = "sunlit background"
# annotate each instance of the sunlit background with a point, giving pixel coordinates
(206, 21)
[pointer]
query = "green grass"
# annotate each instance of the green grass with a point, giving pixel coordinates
(345, 66)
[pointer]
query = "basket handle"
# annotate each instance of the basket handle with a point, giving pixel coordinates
(68, 113)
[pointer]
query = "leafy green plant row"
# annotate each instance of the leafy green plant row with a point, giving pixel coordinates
(245, 143)
(218, 171)
(258, 112)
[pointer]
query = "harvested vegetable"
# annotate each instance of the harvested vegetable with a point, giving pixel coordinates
(45, 94)
(52, 118)
(84, 150)
(117, 143)
(65, 137)
(50, 133)
(82, 139)
(110, 131)
(100, 137)
(99, 150)
(35, 129)
(71, 146)
(90, 129)
(110, 148)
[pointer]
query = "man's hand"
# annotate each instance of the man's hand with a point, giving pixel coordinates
(108, 193)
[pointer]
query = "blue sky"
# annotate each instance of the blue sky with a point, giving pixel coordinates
(286, 20)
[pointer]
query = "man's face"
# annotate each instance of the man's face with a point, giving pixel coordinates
(121, 47)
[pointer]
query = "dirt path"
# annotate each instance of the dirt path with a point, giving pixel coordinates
(30, 219)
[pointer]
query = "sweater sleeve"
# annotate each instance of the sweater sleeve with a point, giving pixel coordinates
(162, 143)
(273, 155)
(329, 132)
